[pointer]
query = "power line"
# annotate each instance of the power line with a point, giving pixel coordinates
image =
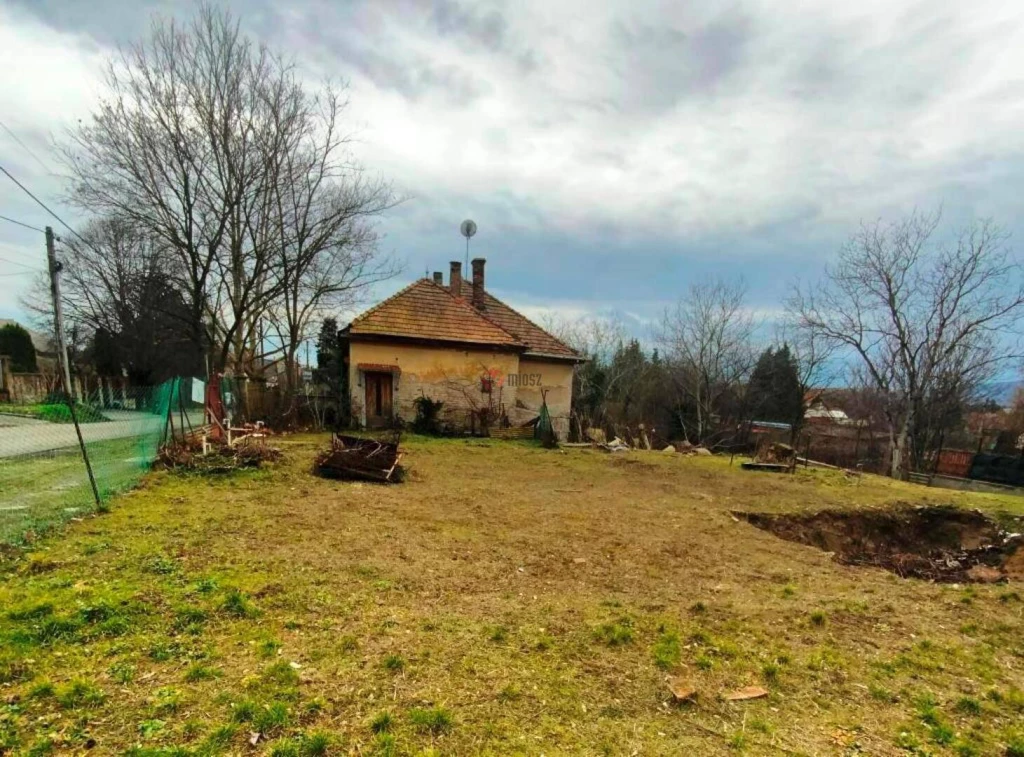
(19, 223)
(42, 204)
(18, 273)
(25, 147)
(16, 262)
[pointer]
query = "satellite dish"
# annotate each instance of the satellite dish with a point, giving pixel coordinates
(468, 228)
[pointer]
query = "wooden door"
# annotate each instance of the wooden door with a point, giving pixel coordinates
(378, 398)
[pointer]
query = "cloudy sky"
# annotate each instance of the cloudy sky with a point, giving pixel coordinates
(611, 153)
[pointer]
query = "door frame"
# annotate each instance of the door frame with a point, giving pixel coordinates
(378, 379)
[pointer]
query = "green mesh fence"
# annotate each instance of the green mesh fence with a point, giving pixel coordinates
(43, 479)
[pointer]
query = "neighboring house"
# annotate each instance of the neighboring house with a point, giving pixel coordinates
(46, 354)
(459, 345)
(823, 410)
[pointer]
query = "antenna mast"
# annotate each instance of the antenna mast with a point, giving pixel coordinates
(468, 229)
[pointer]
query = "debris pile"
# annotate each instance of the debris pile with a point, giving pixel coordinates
(361, 459)
(200, 456)
(943, 544)
(775, 452)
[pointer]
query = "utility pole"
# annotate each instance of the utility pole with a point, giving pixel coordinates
(62, 355)
(62, 351)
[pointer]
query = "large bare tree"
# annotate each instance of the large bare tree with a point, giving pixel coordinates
(323, 208)
(211, 146)
(923, 317)
(707, 338)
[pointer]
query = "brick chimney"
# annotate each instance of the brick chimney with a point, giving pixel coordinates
(455, 279)
(438, 278)
(478, 283)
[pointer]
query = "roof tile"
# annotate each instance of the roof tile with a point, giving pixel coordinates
(427, 310)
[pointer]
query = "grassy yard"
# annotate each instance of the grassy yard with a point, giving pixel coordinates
(40, 491)
(505, 600)
(55, 412)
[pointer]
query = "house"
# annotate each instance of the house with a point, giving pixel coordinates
(460, 345)
(822, 409)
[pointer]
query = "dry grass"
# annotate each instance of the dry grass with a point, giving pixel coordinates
(506, 600)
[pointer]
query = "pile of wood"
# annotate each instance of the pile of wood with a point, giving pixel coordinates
(775, 452)
(361, 459)
(202, 457)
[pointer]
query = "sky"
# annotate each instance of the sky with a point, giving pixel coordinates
(610, 153)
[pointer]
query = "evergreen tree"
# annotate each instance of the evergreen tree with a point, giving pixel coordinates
(330, 371)
(774, 393)
(16, 343)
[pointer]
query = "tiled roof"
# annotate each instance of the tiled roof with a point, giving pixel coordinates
(427, 310)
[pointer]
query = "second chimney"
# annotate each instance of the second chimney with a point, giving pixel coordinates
(438, 278)
(455, 279)
(478, 283)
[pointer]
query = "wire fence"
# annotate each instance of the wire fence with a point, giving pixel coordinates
(43, 478)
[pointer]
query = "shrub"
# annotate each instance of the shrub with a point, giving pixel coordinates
(427, 412)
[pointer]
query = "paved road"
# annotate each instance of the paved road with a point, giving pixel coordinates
(22, 436)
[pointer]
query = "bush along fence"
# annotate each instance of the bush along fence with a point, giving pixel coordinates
(44, 477)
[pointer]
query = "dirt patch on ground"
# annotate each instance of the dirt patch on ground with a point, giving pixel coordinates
(945, 544)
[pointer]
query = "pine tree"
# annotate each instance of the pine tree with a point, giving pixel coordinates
(774, 393)
(16, 343)
(330, 372)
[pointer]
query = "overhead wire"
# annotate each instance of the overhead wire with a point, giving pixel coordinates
(25, 147)
(20, 223)
(42, 204)
(17, 262)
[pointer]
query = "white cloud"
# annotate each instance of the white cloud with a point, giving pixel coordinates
(765, 131)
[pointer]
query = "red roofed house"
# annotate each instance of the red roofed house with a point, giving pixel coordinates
(460, 345)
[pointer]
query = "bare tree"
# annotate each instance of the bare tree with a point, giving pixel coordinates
(707, 337)
(600, 377)
(323, 208)
(210, 146)
(918, 314)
